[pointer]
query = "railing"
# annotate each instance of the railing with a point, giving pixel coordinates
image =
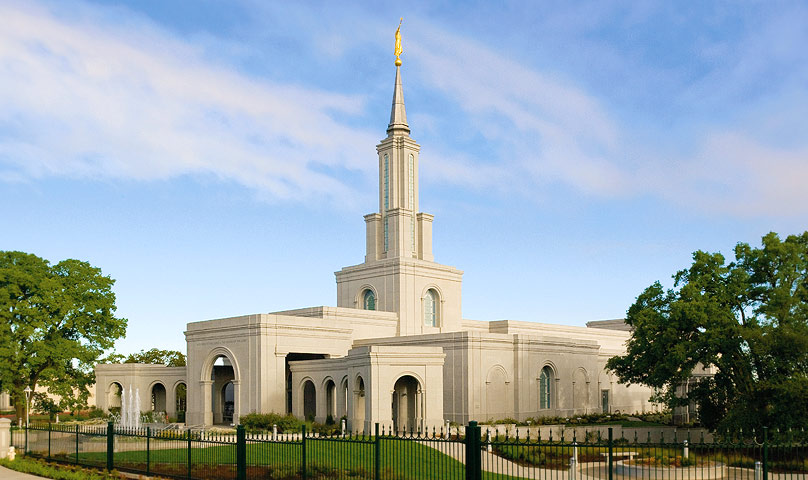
(479, 453)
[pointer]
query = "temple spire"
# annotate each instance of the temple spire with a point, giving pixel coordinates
(398, 115)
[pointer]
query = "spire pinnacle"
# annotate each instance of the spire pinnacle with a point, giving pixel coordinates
(398, 115)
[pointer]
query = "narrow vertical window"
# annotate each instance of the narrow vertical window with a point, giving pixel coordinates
(431, 308)
(411, 202)
(386, 234)
(386, 183)
(545, 385)
(412, 235)
(369, 300)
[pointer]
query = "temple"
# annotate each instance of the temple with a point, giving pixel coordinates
(396, 348)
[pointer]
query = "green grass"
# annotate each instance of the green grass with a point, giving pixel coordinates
(399, 459)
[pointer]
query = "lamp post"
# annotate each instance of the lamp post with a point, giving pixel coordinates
(27, 401)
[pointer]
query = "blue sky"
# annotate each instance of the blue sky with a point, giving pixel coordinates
(216, 158)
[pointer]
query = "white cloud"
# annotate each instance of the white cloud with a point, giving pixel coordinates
(558, 132)
(128, 100)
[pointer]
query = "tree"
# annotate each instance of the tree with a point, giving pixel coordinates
(748, 318)
(55, 322)
(169, 358)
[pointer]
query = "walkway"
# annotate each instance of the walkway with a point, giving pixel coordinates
(7, 474)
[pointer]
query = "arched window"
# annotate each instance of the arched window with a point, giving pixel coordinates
(369, 300)
(431, 308)
(545, 387)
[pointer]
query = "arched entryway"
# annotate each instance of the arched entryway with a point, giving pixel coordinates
(407, 408)
(114, 396)
(180, 401)
(228, 403)
(309, 400)
(330, 401)
(158, 398)
(359, 405)
(220, 388)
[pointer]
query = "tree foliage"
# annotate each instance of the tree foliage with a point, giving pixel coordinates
(55, 322)
(155, 356)
(747, 318)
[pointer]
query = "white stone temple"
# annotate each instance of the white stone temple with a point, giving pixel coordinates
(396, 348)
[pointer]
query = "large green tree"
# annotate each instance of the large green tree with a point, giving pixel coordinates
(747, 318)
(155, 356)
(56, 321)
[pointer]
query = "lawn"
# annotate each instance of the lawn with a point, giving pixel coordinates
(325, 458)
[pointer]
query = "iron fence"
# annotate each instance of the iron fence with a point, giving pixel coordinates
(477, 453)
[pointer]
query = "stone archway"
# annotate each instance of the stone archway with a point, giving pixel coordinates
(407, 408)
(358, 420)
(330, 400)
(218, 370)
(114, 393)
(180, 401)
(158, 398)
(309, 400)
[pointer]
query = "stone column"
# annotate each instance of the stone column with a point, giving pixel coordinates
(5, 436)
(207, 406)
(236, 401)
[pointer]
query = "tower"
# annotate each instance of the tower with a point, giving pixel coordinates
(399, 273)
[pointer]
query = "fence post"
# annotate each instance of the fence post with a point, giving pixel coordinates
(77, 444)
(473, 464)
(611, 451)
(189, 453)
(148, 449)
(49, 439)
(765, 453)
(304, 452)
(6, 437)
(241, 453)
(376, 455)
(110, 445)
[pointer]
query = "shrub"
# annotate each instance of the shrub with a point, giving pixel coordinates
(57, 472)
(262, 422)
(325, 429)
(96, 412)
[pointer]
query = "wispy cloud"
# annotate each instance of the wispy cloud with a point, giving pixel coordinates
(128, 100)
(556, 130)
(122, 98)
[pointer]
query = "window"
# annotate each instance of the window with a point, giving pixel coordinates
(412, 182)
(545, 387)
(386, 234)
(431, 308)
(412, 202)
(386, 183)
(369, 300)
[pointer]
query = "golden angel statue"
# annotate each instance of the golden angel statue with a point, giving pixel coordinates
(398, 51)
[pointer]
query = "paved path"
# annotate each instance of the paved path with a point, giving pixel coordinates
(7, 474)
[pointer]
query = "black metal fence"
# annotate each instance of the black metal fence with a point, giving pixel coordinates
(472, 453)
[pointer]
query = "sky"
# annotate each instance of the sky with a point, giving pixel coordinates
(216, 158)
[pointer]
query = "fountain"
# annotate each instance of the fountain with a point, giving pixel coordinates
(130, 408)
